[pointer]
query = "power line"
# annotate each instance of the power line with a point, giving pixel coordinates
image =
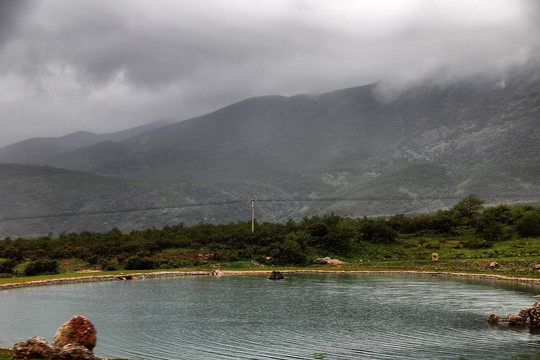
(100, 212)
(228, 202)
(367, 198)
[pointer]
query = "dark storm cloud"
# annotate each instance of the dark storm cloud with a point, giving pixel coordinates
(104, 65)
(11, 12)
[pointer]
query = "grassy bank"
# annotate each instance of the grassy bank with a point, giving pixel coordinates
(467, 238)
(509, 268)
(410, 252)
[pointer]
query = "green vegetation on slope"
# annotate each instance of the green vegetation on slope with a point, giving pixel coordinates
(466, 237)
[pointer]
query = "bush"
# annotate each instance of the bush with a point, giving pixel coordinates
(529, 224)
(110, 265)
(489, 228)
(378, 232)
(340, 239)
(41, 267)
(7, 266)
(477, 244)
(137, 262)
(442, 224)
(92, 259)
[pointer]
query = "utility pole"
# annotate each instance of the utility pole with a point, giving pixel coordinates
(252, 214)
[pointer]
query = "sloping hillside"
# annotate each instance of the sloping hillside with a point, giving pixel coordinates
(40, 151)
(34, 196)
(465, 125)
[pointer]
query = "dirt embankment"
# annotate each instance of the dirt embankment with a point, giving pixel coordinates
(162, 274)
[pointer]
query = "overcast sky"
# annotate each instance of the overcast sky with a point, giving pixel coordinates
(102, 65)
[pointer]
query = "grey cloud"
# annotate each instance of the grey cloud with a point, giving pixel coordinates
(11, 12)
(102, 65)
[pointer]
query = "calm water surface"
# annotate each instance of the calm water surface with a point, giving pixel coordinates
(344, 316)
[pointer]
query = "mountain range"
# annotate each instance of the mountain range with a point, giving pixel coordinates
(355, 151)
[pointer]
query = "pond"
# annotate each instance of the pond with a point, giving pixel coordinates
(304, 316)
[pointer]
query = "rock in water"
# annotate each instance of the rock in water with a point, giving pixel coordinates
(529, 316)
(34, 348)
(275, 275)
(78, 330)
(493, 319)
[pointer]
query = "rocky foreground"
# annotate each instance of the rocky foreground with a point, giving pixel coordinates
(74, 340)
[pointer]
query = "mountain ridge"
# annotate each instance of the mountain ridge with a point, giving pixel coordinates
(39, 150)
(478, 135)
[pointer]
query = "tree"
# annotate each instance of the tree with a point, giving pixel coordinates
(340, 239)
(7, 266)
(377, 231)
(489, 228)
(529, 224)
(140, 261)
(467, 209)
(41, 267)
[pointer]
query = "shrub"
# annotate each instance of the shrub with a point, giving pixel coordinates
(110, 265)
(442, 224)
(529, 224)
(92, 259)
(378, 232)
(7, 266)
(340, 239)
(13, 253)
(137, 262)
(284, 254)
(489, 228)
(41, 267)
(477, 244)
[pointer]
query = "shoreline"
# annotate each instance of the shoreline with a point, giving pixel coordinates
(180, 273)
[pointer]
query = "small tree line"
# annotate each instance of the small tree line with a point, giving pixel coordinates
(293, 242)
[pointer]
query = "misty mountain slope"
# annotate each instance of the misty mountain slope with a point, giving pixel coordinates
(29, 192)
(41, 150)
(467, 124)
(473, 124)
(428, 187)
(254, 139)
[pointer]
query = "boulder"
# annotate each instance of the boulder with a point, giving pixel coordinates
(78, 330)
(275, 275)
(434, 257)
(494, 265)
(74, 352)
(328, 261)
(125, 277)
(528, 316)
(493, 319)
(516, 320)
(34, 348)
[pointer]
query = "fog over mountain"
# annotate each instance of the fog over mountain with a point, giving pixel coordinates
(476, 122)
(102, 66)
